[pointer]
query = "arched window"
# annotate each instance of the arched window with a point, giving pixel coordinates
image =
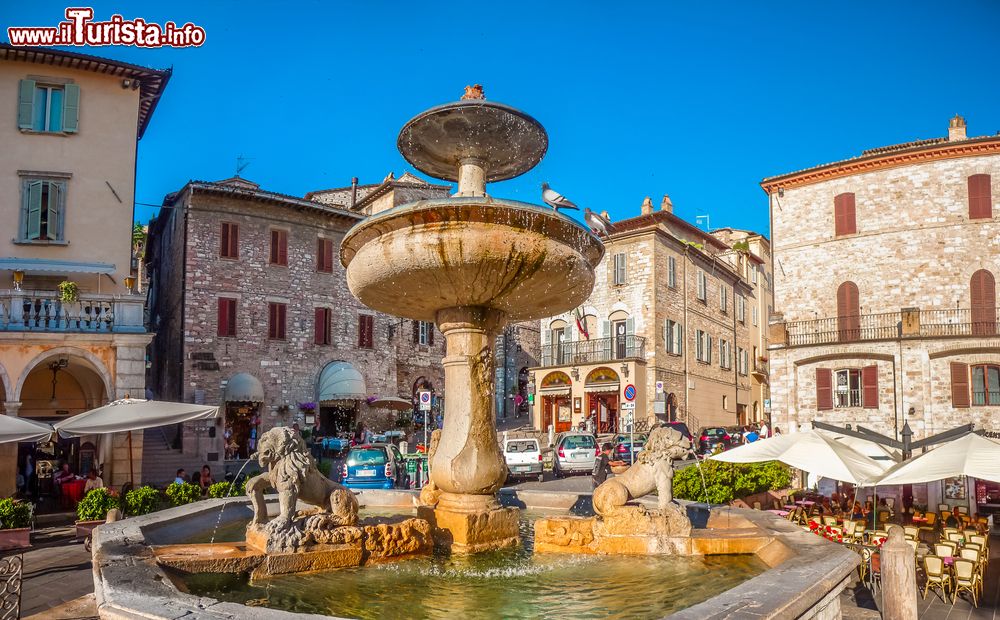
(848, 312)
(984, 303)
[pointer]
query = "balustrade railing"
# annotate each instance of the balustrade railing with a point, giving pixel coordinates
(909, 323)
(45, 311)
(594, 351)
(959, 322)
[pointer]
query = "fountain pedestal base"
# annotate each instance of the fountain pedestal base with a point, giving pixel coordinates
(629, 530)
(472, 531)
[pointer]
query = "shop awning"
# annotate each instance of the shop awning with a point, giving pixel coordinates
(132, 414)
(43, 265)
(556, 390)
(602, 387)
(243, 388)
(341, 381)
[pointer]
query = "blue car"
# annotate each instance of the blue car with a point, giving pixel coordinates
(374, 466)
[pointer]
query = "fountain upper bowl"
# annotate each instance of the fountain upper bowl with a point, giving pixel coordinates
(523, 260)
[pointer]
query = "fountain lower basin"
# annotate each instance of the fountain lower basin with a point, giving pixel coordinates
(803, 577)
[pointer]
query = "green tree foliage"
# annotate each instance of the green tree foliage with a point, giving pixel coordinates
(725, 482)
(141, 501)
(96, 504)
(180, 493)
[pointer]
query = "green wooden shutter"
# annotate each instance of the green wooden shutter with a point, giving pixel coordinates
(54, 227)
(25, 104)
(33, 208)
(680, 339)
(71, 108)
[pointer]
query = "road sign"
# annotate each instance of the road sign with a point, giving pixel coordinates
(628, 406)
(629, 392)
(425, 400)
(767, 404)
(531, 387)
(659, 387)
(628, 418)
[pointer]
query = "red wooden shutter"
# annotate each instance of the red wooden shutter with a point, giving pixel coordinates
(980, 200)
(319, 327)
(366, 324)
(271, 322)
(824, 389)
(234, 241)
(324, 256)
(224, 239)
(869, 387)
(959, 385)
(282, 247)
(281, 321)
(223, 316)
(848, 312)
(274, 247)
(845, 222)
(984, 303)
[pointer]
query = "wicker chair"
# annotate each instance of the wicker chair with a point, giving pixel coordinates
(944, 550)
(911, 531)
(966, 578)
(830, 521)
(935, 577)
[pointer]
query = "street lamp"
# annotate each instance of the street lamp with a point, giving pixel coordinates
(625, 369)
(18, 279)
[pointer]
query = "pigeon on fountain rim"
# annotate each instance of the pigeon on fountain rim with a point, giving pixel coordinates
(556, 200)
(597, 222)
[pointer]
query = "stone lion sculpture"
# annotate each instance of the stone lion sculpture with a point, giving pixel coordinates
(430, 494)
(293, 474)
(653, 470)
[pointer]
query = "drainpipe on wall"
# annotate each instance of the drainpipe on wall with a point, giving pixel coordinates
(684, 347)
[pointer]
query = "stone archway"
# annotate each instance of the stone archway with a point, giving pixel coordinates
(5, 389)
(86, 358)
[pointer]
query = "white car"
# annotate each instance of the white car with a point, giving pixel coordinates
(523, 458)
(575, 453)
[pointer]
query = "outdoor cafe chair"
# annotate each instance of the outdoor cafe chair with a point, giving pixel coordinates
(980, 540)
(946, 531)
(944, 508)
(944, 550)
(829, 520)
(851, 530)
(974, 556)
(883, 517)
(969, 533)
(875, 571)
(935, 577)
(756, 505)
(955, 537)
(966, 578)
(911, 531)
(963, 510)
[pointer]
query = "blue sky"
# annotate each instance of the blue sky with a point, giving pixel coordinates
(698, 100)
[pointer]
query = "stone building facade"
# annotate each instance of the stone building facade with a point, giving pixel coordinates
(885, 297)
(669, 306)
(70, 130)
(251, 311)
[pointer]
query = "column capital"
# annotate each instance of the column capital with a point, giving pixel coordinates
(11, 407)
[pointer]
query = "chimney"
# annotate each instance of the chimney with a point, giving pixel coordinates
(666, 204)
(647, 206)
(956, 129)
(605, 215)
(354, 191)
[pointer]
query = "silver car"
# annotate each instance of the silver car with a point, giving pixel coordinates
(575, 453)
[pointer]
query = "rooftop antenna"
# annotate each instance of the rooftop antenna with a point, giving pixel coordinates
(698, 220)
(241, 164)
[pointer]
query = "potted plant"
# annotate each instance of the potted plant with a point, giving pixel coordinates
(180, 493)
(93, 510)
(69, 292)
(15, 524)
(141, 501)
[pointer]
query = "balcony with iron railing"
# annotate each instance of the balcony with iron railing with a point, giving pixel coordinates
(594, 351)
(45, 311)
(907, 323)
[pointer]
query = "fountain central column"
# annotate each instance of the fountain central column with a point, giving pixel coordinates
(468, 467)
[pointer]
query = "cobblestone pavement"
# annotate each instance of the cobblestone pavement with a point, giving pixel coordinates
(57, 570)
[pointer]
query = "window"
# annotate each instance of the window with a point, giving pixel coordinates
(702, 286)
(753, 274)
(703, 346)
(725, 402)
(854, 387)
(324, 255)
(43, 203)
(848, 312)
(673, 337)
(754, 313)
(984, 303)
(423, 333)
(276, 321)
(50, 108)
(986, 385)
(366, 331)
(844, 219)
(227, 317)
(279, 247)
(741, 308)
(980, 198)
(723, 298)
(745, 362)
(671, 272)
(620, 268)
(725, 354)
(322, 326)
(229, 240)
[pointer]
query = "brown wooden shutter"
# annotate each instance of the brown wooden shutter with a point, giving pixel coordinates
(984, 303)
(282, 308)
(430, 334)
(959, 385)
(234, 241)
(848, 312)
(319, 326)
(223, 316)
(272, 323)
(824, 389)
(869, 387)
(224, 239)
(274, 247)
(416, 332)
(282, 247)
(980, 200)
(324, 255)
(844, 215)
(366, 325)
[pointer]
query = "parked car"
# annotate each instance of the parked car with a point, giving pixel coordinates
(575, 453)
(523, 458)
(624, 444)
(335, 444)
(374, 466)
(712, 437)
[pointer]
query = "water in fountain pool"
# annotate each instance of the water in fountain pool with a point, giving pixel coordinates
(501, 584)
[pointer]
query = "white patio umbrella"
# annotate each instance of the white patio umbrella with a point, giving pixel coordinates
(872, 450)
(132, 414)
(969, 455)
(14, 429)
(809, 451)
(392, 402)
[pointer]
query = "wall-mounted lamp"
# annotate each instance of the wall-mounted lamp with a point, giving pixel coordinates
(18, 279)
(625, 370)
(130, 284)
(575, 373)
(912, 411)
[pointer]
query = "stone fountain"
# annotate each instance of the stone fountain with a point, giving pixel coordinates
(470, 263)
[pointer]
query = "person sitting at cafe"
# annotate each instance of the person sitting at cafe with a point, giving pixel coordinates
(93, 482)
(181, 476)
(206, 480)
(63, 475)
(954, 518)
(857, 512)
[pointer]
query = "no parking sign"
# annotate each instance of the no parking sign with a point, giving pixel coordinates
(425, 400)
(629, 392)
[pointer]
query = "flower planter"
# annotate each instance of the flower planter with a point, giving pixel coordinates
(84, 528)
(18, 538)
